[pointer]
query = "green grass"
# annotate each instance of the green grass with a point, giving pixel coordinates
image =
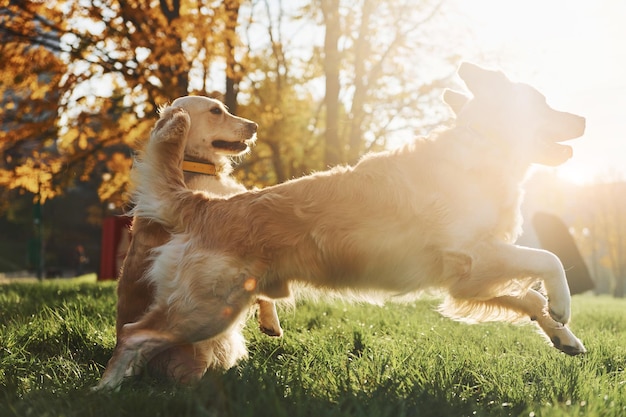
(334, 360)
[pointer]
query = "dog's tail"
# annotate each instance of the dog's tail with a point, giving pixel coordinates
(159, 186)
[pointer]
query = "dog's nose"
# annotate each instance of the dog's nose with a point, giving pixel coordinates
(582, 124)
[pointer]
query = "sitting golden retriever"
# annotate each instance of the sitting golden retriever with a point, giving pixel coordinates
(214, 137)
(440, 213)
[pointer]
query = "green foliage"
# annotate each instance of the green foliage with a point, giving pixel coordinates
(82, 82)
(335, 360)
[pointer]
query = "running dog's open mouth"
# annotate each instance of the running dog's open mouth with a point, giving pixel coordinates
(232, 147)
(563, 127)
(553, 153)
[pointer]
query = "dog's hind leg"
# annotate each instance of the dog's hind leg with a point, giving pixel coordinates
(134, 293)
(268, 318)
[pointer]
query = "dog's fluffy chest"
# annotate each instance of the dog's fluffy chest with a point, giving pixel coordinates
(486, 210)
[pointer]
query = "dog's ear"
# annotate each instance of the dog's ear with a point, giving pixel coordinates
(455, 100)
(480, 80)
(173, 124)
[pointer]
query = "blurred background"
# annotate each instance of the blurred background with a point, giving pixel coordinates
(326, 80)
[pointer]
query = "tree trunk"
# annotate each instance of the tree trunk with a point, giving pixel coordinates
(333, 153)
(233, 72)
(357, 112)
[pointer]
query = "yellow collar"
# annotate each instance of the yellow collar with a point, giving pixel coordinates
(205, 168)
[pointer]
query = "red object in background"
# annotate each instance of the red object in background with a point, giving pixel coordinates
(115, 240)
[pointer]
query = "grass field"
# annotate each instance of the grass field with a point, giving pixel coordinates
(334, 360)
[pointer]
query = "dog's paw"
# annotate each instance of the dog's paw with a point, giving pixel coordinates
(272, 332)
(106, 386)
(268, 319)
(173, 124)
(560, 309)
(565, 341)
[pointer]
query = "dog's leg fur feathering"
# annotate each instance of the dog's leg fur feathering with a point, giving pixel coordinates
(166, 325)
(175, 123)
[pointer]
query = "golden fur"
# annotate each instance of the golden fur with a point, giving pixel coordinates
(210, 121)
(441, 213)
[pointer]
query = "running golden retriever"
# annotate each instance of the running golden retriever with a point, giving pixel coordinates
(213, 139)
(440, 213)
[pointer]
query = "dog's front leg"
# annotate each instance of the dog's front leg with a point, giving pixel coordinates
(130, 355)
(496, 265)
(548, 267)
(535, 306)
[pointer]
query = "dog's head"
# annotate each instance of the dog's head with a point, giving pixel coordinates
(514, 115)
(214, 132)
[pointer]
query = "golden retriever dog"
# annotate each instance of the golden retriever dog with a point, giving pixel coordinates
(441, 213)
(214, 137)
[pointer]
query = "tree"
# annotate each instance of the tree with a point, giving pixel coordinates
(233, 67)
(334, 147)
(95, 73)
(384, 89)
(116, 62)
(607, 230)
(28, 111)
(80, 86)
(110, 65)
(361, 62)
(595, 217)
(279, 97)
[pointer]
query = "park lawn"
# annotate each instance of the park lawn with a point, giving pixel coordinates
(336, 359)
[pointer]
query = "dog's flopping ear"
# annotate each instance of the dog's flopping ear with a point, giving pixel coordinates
(480, 80)
(455, 100)
(173, 125)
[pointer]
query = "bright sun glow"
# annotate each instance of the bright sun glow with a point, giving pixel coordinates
(579, 174)
(569, 50)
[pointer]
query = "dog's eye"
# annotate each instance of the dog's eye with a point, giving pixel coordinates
(216, 110)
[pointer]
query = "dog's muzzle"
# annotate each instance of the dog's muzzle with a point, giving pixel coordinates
(565, 126)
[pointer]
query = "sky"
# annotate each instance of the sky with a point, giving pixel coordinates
(574, 52)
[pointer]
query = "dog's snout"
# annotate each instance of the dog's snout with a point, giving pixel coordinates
(576, 126)
(253, 127)
(582, 123)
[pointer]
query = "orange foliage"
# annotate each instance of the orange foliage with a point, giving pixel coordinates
(81, 81)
